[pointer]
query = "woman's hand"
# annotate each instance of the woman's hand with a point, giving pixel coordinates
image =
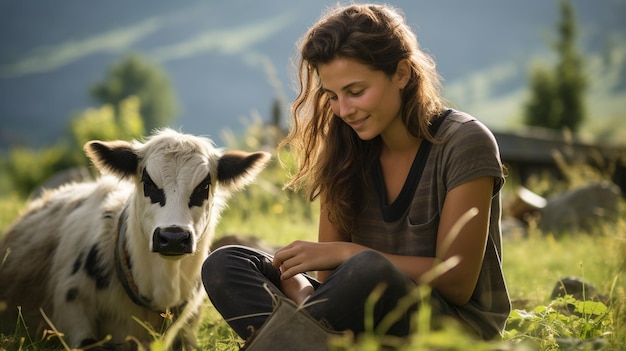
(297, 288)
(305, 256)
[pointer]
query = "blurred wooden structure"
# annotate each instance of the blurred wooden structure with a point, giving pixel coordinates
(533, 151)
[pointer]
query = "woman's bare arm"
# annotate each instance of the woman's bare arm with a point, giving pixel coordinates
(455, 285)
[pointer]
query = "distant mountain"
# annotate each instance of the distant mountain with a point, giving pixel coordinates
(227, 59)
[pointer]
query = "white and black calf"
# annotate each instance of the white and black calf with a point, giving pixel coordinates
(95, 256)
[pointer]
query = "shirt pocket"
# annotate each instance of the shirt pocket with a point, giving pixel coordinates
(424, 236)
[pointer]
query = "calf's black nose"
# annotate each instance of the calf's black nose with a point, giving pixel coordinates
(171, 241)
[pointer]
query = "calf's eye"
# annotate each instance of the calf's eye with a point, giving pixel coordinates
(201, 192)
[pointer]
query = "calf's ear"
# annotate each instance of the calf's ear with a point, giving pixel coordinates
(237, 169)
(116, 157)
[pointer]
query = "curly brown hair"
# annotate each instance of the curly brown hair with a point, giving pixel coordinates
(332, 161)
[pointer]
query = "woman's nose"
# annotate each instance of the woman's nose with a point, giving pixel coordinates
(345, 108)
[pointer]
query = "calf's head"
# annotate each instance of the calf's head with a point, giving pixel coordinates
(182, 182)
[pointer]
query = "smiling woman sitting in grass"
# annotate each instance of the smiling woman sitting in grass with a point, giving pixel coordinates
(395, 170)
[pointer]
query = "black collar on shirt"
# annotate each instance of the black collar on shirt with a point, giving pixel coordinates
(394, 211)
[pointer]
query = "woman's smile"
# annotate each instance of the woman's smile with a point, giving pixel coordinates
(357, 124)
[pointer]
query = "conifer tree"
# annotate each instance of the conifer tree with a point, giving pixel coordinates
(557, 96)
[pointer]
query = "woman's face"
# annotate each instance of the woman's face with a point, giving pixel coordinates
(367, 100)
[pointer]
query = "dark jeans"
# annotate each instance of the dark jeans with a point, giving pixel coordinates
(234, 278)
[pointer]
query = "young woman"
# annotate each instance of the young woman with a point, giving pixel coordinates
(394, 170)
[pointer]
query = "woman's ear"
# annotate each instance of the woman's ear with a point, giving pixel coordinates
(403, 73)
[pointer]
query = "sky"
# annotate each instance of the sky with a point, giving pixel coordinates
(228, 60)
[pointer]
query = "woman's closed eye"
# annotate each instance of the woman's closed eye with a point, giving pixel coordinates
(352, 93)
(356, 92)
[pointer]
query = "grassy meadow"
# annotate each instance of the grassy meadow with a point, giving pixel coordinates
(533, 264)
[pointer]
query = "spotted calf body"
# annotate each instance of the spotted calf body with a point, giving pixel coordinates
(93, 255)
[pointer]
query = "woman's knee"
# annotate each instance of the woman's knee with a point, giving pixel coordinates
(372, 263)
(218, 263)
(374, 267)
(234, 263)
(213, 266)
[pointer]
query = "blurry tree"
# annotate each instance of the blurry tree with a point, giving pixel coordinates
(556, 99)
(134, 75)
(27, 168)
(107, 123)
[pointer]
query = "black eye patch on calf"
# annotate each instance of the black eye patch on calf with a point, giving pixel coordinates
(201, 192)
(152, 191)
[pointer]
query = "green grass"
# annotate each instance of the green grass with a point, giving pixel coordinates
(532, 264)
